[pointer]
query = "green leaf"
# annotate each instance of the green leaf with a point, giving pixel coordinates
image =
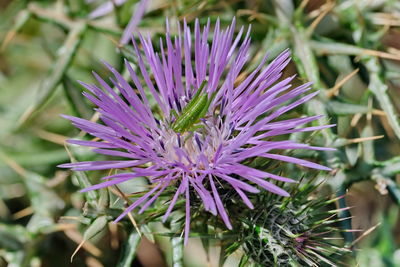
(75, 99)
(91, 196)
(146, 231)
(243, 260)
(96, 227)
(177, 243)
(340, 108)
(177, 251)
(391, 167)
(13, 237)
(379, 89)
(352, 153)
(21, 18)
(368, 146)
(129, 250)
(304, 57)
(44, 201)
(331, 47)
(65, 55)
(42, 158)
(124, 12)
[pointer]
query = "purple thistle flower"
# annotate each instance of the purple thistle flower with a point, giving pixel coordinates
(195, 142)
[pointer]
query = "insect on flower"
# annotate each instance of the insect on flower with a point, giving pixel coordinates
(206, 126)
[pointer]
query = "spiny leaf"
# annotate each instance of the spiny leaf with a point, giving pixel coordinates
(177, 251)
(331, 47)
(341, 108)
(379, 89)
(22, 17)
(49, 85)
(91, 196)
(13, 237)
(74, 97)
(95, 227)
(129, 250)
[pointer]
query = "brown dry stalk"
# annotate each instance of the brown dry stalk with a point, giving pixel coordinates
(335, 90)
(75, 236)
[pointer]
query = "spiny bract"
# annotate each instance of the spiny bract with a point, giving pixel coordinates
(298, 231)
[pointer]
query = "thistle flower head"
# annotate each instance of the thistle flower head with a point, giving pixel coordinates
(300, 231)
(208, 118)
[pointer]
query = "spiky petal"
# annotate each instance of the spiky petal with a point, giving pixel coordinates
(208, 154)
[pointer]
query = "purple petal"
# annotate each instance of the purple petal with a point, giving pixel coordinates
(134, 21)
(301, 162)
(137, 203)
(220, 206)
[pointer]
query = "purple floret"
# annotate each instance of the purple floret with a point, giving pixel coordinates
(239, 124)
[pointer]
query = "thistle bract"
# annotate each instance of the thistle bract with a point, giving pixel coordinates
(209, 119)
(299, 231)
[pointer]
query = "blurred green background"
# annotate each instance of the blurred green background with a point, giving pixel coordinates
(350, 49)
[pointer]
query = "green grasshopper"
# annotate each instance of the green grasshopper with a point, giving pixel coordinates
(193, 111)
